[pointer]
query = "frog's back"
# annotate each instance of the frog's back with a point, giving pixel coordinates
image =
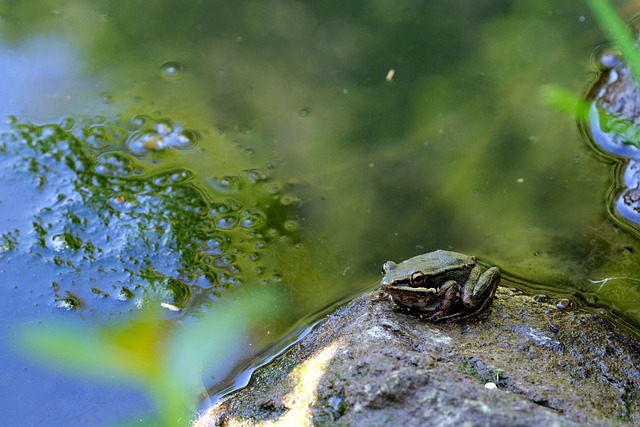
(448, 258)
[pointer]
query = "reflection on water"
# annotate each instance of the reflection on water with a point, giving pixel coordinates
(287, 155)
(43, 78)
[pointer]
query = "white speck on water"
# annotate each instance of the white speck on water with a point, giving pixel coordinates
(390, 74)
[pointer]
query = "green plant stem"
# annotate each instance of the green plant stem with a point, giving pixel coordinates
(616, 29)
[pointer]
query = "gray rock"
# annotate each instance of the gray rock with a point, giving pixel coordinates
(367, 365)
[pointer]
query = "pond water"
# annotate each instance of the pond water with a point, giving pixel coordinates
(173, 152)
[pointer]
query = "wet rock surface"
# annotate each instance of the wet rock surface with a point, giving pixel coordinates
(367, 364)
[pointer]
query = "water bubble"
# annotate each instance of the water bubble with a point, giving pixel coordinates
(181, 176)
(228, 222)
(141, 143)
(67, 123)
(291, 225)
(107, 98)
(274, 189)
(189, 137)
(288, 200)
(225, 207)
(304, 112)
(272, 232)
(255, 175)
(226, 184)
(172, 70)
(70, 302)
(139, 121)
(228, 279)
(252, 218)
(224, 261)
(101, 136)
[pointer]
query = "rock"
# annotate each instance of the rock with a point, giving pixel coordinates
(524, 362)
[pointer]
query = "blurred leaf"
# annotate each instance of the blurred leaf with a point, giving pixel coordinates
(79, 350)
(561, 99)
(214, 337)
(166, 358)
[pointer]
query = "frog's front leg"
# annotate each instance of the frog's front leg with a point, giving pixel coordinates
(478, 292)
(449, 295)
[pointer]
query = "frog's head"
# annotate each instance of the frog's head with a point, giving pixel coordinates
(398, 275)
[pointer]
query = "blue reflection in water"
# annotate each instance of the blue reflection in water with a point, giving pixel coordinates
(43, 79)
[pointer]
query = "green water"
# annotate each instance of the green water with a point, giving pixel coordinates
(299, 162)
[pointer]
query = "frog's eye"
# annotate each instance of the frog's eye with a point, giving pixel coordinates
(417, 278)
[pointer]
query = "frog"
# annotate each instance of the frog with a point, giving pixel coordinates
(440, 285)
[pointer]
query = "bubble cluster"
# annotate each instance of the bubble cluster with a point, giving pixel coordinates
(226, 184)
(159, 137)
(119, 230)
(113, 164)
(252, 218)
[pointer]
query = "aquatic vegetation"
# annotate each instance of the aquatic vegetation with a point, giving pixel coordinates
(118, 226)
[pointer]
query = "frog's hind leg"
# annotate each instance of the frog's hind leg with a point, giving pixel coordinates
(480, 286)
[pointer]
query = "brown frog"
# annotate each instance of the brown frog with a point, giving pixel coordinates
(440, 285)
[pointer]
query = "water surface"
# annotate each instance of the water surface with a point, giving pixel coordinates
(231, 145)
